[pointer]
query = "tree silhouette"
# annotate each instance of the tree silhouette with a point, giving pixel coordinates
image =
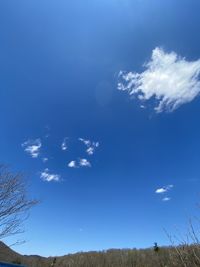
(14, 204)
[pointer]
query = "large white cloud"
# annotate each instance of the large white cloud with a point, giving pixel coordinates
(32, 147)
(168, 78)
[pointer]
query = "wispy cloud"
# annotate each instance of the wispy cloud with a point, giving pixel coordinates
(168, 79)
(164, 189)
(91, 146)
(166, 199)
(64, 144)
(45, 159)
(79, 163)
(32, 147)
(47, 176)
(47, 130)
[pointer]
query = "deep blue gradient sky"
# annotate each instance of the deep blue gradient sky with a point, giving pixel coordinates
(59, 63)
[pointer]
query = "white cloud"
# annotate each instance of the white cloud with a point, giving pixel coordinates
(72, 164)
(64, 144)
(168, 78)
(91, 146)
(46, 176)
(90, 150)
(166, 199)
(164, 189)
(86, 142)
(84, 163)
(161, 190)
(79, 163)
(32, 147)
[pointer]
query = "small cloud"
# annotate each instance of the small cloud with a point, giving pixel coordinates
(161, 190)
(168, 79)
(164, 189)
(79, 163)
(47, 176)
(142, 106)
(86, 142)
(91, 146)
(72, 164)
(32, 147)
(90, 151)
(166, 199)
(64, 144)
(45, 160)
(84, 163)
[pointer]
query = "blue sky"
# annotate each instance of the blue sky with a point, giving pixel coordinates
(63, 66)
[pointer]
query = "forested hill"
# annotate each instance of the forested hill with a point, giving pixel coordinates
(165, 256)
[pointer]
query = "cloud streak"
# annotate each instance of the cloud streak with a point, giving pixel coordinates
(168, 79)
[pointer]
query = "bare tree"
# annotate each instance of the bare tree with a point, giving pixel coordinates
(14, 203)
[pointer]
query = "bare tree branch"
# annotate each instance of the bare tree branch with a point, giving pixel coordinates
(14, 203)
